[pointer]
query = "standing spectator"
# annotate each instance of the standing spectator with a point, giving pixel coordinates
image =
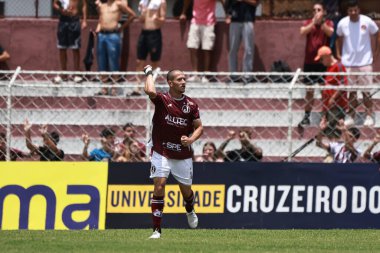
(69, 32)
(374, 157)
(248, 151)
(152, 15)
(335, 102)
(49, 151)
(14, 153)
(318, 31)
(201, 34)
(176, 125)
(106, 152)
(130, 135)
(109, 38)
(342, 152)
(354, 48)
(209, 154)
(241, 16)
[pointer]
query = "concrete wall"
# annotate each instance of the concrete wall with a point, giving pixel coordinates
(32, 45)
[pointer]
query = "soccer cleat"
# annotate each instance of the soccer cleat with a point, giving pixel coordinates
(192, 219)
(369, 121)
(349, 121)
(155, 235)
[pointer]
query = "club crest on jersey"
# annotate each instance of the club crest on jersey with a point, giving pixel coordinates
(186, 108)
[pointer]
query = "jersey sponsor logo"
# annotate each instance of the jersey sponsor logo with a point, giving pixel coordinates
(186, 108)
(172, 146)
(176, 121)
(152, 169)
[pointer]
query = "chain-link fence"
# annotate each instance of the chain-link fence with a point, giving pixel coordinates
(85, 111)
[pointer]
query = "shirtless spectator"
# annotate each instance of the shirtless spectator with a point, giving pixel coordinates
(152, 16)
(109, 35)
(69, 32)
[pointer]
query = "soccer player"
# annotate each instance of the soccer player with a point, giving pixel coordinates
(176, 125)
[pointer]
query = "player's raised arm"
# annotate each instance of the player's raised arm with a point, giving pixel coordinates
(149, 87)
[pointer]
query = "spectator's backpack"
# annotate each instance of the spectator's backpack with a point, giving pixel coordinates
(280, 66)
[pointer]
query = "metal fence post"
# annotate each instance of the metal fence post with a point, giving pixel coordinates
(290, 113)
(9, 112)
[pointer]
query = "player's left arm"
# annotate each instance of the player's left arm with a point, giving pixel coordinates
(198, 131)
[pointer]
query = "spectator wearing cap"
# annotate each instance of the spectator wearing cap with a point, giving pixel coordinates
(106, 152)
(49, 150)
(335, 102)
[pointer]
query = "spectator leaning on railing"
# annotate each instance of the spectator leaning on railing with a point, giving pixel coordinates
(248, 151)
(106, 152)
(341, 151)
(49, 151)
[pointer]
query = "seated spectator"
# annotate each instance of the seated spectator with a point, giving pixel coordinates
(129, 133)
(341, 151)
(14, 153)
(49, 151)
(248, 151)
(106, 152)
(210, 154)
(373, 157)
(131, 153)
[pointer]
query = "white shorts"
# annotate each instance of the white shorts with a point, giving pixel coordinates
(182, 170)
(360, 80)
(201, 34)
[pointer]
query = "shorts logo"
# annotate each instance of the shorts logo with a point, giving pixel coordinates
(186, 108)
(152, 169)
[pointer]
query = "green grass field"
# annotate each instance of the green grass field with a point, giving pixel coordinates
(185, 240)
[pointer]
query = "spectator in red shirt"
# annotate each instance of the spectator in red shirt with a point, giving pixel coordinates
(317, 31)
(335, 102)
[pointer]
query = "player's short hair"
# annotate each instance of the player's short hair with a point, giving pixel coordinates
(352, 3)
(355, 132)
(106, 132)
(170, 75)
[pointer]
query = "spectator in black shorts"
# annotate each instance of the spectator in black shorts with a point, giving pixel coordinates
(153, 16)
(69, 32)
(49, 151)
(318, 31)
